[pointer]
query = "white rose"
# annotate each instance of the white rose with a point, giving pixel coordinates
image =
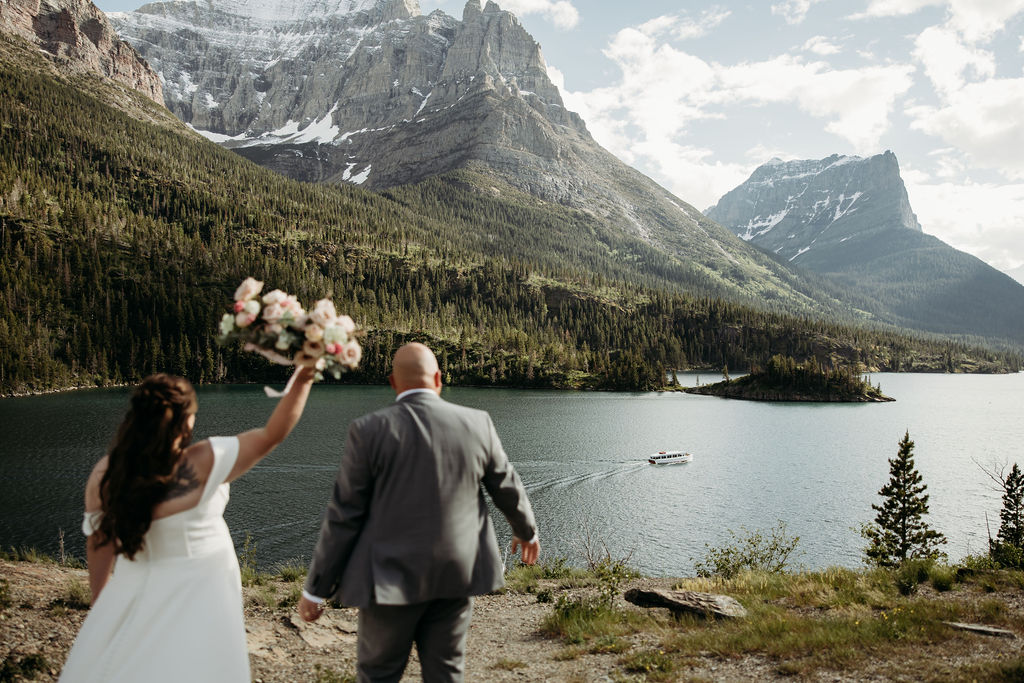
(249, 288)
(272, 313)
(346, 323)
(252, 307)
(274, 297)
(314, 332)
(323, 314)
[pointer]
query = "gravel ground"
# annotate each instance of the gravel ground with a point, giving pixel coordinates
(505, 643)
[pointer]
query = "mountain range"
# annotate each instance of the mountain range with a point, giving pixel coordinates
(124, 231)
(849, 219)
(374, 93)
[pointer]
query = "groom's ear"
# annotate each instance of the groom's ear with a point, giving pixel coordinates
(391, 381)
(437, 381)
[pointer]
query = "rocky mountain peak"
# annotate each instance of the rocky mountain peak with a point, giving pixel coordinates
(809, 210)
(79, 37)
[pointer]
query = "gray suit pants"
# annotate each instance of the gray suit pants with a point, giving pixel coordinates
(387, 632)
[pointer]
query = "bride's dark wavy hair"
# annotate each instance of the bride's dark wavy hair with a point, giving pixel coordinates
(141, 458)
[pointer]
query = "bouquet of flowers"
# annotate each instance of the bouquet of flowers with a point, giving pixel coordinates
(276, 326)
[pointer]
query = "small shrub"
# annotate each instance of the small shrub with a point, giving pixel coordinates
(568, 653)
(263, 596)
(247, 563)
(749, 551)
(292, 571)
(291, 598)
(977, 563)
(545, 595)
(992, 610)
(321, 674)
(655, 664)
(76, 596)
(509, 664)
(1006, 555)
(941, 578)
(23, 554)
(608, 645)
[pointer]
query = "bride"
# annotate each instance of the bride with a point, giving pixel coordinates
(172, 608)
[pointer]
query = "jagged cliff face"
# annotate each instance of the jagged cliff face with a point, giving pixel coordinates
(77, 34)
(366, 91)
(815, 212)
(373, 92)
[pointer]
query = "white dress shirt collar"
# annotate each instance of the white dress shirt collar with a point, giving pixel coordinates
(418, 390)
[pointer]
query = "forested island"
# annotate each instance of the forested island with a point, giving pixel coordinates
(784, 379)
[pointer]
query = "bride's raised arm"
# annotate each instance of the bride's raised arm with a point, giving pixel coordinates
(256, 444)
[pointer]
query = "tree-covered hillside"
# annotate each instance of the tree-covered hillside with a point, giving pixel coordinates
(123, 236)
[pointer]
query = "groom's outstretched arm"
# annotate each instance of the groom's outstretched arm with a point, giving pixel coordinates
(509, 495)
(343, 522)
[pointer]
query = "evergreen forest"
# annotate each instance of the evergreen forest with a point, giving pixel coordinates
(123, 236)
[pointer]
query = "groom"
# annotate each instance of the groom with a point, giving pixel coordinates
(407, 537)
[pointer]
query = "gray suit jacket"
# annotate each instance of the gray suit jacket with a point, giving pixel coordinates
(408, 522)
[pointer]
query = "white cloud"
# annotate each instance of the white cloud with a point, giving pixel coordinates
(644, 118)
(856, 102)
(894, 8)
(561, 13)
(695, 28)
(948, 62)
(821, 45)
(983, 120)
(793, 11)
(979, 20)
(981, 219)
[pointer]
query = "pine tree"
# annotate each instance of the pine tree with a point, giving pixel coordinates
(899, 531)
(1008, 548)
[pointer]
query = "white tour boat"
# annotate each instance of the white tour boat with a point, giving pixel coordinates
(669, 458)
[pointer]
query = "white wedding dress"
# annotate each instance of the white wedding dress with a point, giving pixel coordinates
(174, 613)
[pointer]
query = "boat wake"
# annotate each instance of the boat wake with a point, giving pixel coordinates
(575, 478)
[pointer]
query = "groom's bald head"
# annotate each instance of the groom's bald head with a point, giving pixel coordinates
(415, 367)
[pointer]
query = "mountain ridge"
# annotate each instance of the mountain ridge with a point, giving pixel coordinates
(850, 220)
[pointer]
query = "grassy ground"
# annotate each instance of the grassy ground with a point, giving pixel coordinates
(563, 623)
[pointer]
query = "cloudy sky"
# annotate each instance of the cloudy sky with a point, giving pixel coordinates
(698, 97)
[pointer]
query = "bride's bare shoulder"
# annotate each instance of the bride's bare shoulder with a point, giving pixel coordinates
(199, 456)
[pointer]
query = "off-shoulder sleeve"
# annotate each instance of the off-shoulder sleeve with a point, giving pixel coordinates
(91, 522)
(225, 453)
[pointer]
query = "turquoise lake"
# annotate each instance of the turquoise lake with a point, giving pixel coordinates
(816, 467)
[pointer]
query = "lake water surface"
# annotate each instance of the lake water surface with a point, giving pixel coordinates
(817, 467)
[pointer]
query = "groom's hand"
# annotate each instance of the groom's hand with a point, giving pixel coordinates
(530, 550)
(309, 610)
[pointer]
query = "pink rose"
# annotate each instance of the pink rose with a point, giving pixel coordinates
(244, 319)
(350, 354)
(239, 306)
(249, 288)
(333, 348)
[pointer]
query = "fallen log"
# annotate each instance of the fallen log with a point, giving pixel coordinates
(688, 602)
(981, 629)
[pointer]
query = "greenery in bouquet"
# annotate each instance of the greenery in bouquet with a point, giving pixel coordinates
(278, 328)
